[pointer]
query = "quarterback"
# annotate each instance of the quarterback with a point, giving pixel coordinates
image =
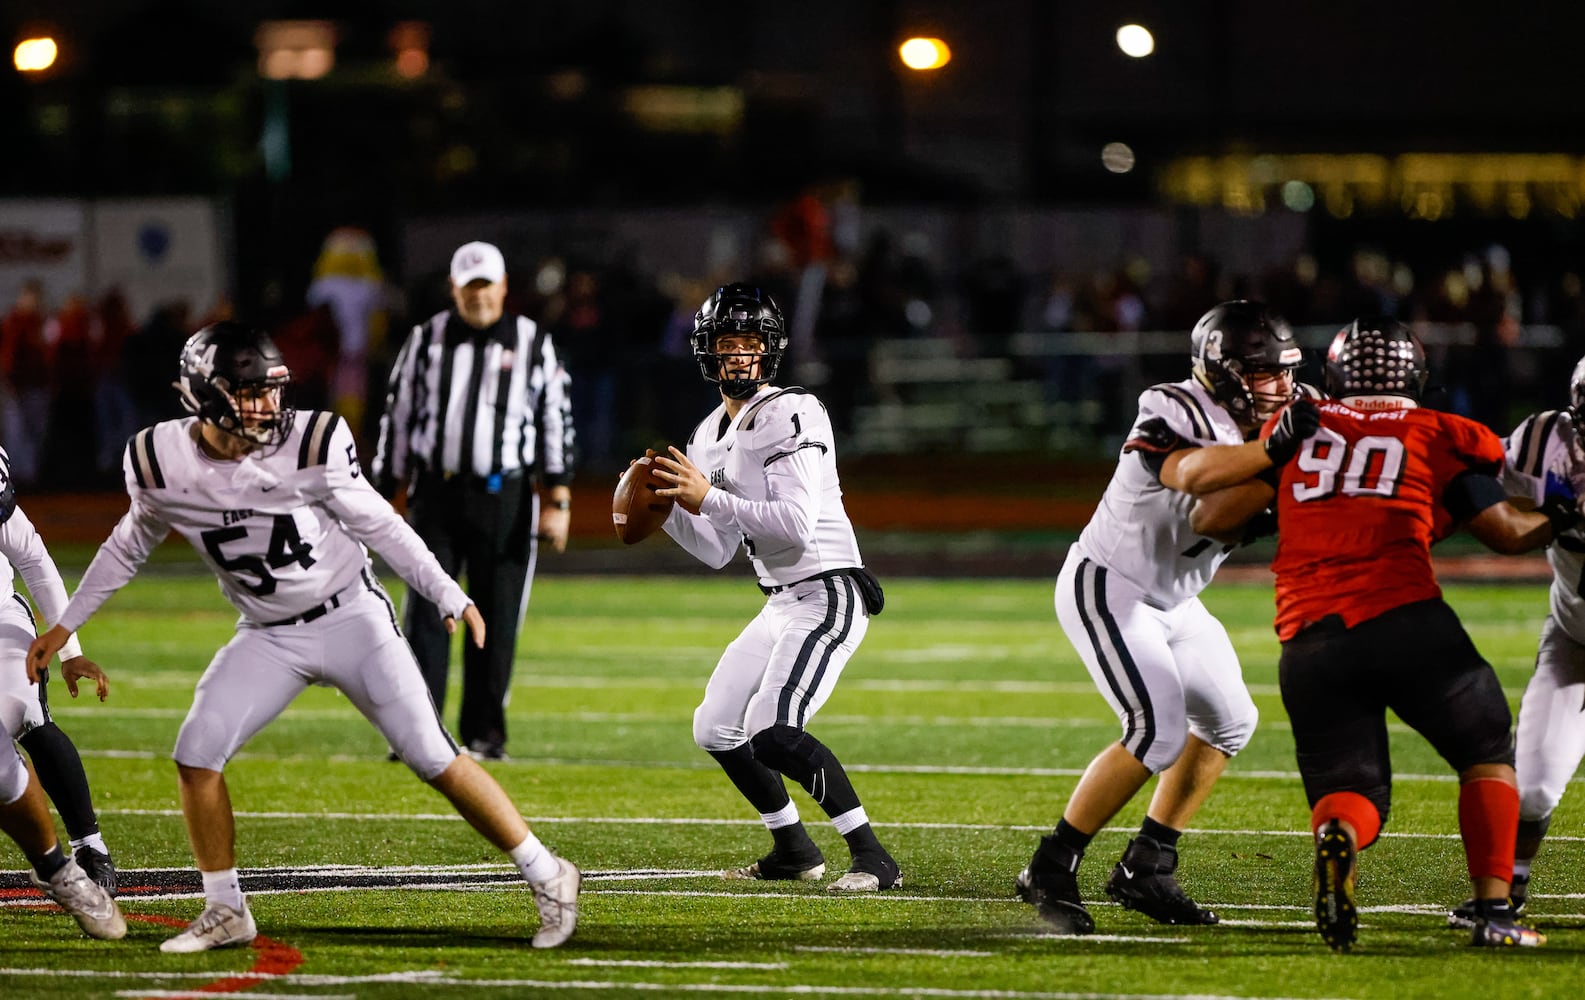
(274, 502)
(760, 474)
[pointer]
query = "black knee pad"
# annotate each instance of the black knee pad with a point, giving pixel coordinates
(789, 750)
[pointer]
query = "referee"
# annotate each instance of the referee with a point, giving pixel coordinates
(477, 413)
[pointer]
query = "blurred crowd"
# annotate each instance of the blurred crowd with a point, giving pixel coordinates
(77, 377)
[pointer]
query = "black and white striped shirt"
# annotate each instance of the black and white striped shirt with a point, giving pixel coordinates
(476, 402)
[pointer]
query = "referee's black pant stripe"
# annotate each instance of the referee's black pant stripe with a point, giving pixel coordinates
(784, 706)
(839, 589)
(1122, 674)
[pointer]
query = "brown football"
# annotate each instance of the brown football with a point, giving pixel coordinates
(636, 511)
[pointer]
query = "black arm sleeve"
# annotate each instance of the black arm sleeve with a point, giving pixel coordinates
(1472, 492)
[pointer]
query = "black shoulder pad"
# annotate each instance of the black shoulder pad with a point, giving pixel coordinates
(145, 464)
(318, 429)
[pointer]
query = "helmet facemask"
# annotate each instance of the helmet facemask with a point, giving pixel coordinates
(1576, 394)
(740, 366)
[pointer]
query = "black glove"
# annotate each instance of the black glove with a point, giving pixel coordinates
(1300, 420)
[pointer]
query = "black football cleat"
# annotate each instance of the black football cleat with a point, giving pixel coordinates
(1055, 896)
(778, 866)
(1463, 916)
(1335, 914)
(97, 866)
(1144, 881)
(1497, 926)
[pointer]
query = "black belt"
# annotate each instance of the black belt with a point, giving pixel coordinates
(312, 614)
(828, 574)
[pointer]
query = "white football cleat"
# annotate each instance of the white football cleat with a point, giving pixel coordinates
(219, 926)
(557, 901)
(89, 904)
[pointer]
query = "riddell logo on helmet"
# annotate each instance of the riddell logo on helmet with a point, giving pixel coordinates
(277, 371)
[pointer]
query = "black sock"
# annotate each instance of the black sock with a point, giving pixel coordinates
(47, 865)
(759, 784)
(61, 775)
(863, 841)
(1166, 836)
(794, 840)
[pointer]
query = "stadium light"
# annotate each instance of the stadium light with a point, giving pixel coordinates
(35, 55)
(1136, 40)
(1117, 157)
(923, 54)
(295, 50)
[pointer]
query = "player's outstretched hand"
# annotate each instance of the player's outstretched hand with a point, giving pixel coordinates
(475, 622)
(81, 667)
(42, 650)
(1300, 420)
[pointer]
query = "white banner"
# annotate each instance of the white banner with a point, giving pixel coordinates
(157, 251)
(42, 239)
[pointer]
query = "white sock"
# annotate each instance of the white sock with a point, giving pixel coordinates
(224, 887)
(94, 841)
(534, 860)
(787, 815)
(850, 820)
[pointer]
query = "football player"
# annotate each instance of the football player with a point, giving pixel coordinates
(1363, 624)
(1550, 739)
(1128, 599)
(24, 708)
(276, 505)
(760, 473)
(81, 885)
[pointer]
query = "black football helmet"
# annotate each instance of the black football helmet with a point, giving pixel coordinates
(738, 308)
(1377, 356)
(1234, 341)
(223, 359)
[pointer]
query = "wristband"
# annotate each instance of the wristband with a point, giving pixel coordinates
(561, 505)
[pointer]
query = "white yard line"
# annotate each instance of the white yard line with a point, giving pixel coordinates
(707, 821)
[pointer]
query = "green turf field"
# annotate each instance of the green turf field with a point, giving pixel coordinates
(965, 719)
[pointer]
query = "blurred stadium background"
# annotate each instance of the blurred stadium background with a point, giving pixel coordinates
(983, 259)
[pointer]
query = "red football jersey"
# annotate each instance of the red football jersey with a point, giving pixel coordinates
(1360, 505)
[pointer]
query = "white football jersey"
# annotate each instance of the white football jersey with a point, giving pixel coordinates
(774, 470)
(22, 551)
(1538, 444)
(1140, 530)
(283, 531)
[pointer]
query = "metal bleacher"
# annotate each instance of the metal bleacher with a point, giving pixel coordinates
(1039, 392)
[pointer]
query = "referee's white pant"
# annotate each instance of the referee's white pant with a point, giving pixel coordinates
(1166, 673)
